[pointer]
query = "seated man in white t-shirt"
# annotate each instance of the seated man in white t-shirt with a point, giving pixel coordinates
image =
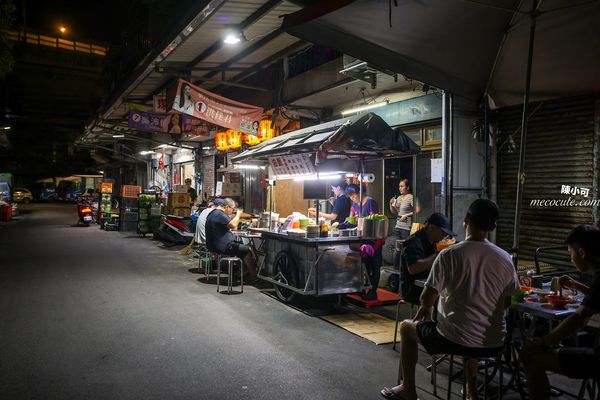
(200, 236)
(473, 281)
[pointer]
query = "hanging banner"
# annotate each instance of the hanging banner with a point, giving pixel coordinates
(200, 103)
(167, 123)
(159, 103)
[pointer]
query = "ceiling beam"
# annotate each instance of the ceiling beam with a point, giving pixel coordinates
(255, 16)
(252, 18)
(247, 51)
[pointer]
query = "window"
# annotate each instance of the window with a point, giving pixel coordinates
(432, 135)
(415, 135)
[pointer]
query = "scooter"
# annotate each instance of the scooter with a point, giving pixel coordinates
(86, 214)
(176, 230)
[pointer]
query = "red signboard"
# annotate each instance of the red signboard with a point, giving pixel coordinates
(200, 103)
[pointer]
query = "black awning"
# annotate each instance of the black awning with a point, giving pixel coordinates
(360, 136)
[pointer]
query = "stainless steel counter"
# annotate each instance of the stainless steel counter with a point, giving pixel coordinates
(311, 266)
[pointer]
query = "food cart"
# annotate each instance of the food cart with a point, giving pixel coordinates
(320, 266)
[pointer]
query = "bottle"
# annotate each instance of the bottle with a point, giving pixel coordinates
(324, 230)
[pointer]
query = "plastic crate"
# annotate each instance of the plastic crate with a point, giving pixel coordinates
(130, 191)
(128, 226)
(111, 227)
(129, 216)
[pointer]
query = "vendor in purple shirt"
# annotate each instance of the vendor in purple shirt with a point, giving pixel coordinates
(372, 262)
(369, 205)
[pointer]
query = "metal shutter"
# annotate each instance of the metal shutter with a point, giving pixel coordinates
(560, 151)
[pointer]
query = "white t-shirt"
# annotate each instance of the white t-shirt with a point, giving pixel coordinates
(473, 279)
(200, 236)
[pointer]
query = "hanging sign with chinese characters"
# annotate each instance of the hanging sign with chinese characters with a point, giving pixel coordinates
(200, 103)
(292, 165)
(167, 123)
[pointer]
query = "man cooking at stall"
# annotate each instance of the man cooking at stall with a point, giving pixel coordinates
(220, 239)
(341, 205)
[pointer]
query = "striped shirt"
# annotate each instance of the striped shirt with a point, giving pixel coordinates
(404, 205)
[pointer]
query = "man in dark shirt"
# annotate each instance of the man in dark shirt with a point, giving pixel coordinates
(191, 191)
(341, 205)
(419, 253)
(575, 362)
(220, 239)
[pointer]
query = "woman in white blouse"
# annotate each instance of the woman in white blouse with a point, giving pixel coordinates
(403, 205)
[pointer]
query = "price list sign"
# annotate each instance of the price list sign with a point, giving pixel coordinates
(292, 165)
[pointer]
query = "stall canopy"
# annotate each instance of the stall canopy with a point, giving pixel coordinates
(467, 47)
(360, 136)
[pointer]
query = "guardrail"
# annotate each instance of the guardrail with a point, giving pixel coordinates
(57, 42)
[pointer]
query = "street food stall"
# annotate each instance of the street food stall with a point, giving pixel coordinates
(306, 261)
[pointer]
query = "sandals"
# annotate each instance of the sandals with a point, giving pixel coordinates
(388, 393)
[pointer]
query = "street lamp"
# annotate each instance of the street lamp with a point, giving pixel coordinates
(62, 29)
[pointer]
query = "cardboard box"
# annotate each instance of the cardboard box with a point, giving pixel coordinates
(181, 211)
(105, 187)
(231, 189)
(175, 200)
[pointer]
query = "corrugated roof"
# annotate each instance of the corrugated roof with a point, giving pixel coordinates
(210, 34)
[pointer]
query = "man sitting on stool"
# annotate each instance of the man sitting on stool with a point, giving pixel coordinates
(575, 362)
(220, 239)
(419, 253)
(473, 281)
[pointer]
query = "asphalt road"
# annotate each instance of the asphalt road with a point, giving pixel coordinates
(89, 314)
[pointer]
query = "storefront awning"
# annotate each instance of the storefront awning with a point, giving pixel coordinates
(360, 136)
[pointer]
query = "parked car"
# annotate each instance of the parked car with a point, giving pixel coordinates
(22, 195)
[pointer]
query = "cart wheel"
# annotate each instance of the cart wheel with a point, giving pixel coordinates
(388, 250)
(285, 272)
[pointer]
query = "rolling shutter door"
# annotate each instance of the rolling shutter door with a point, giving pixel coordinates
(560, 143)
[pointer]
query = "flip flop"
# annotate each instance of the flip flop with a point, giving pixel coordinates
(389, 394)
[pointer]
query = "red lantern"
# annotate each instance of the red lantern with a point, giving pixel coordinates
(221, 141)
(265, 132)
(234, 139)
(251, 140)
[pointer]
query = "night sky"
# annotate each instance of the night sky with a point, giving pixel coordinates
(86, 20)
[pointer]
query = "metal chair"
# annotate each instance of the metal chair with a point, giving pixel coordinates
(491, 357)
(231, 262)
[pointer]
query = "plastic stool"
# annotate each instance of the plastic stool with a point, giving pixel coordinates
(204, 260)
(231, 261)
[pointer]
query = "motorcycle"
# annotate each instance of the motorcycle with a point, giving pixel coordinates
(86, 212)
(176, 230)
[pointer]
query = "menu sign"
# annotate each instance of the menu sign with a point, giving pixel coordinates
(292, 165)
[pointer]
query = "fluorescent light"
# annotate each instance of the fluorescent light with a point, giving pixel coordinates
(247, 166)
(101, 172)
(6, 128)
(314, 177)
(364, 108)
(233, 38)
(350, 68)
(146, 152)
(206, 148)
(118, 136)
